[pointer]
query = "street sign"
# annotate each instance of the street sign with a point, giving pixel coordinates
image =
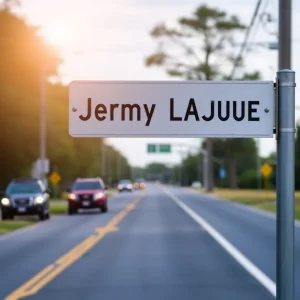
(158, 148)
(151, 148)
(164, 148)
(54, 178)
(266, 170)
(222, 173)
(171, 108)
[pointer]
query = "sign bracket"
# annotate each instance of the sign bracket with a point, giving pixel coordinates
(276, 89)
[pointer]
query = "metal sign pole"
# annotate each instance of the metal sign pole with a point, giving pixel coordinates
(285, 183)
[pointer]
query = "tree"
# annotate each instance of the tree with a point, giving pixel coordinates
(239, 156)
(158, 171)
(23, 53)
(25, 57)
(196, 49)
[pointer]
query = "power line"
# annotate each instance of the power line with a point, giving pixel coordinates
(244, 44)
(255, 30)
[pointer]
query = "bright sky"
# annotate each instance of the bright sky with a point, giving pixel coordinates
(110, 40)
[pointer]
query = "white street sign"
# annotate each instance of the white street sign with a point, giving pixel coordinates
(171, 109)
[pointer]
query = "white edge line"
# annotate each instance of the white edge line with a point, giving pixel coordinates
(262, 278)
(256, 210)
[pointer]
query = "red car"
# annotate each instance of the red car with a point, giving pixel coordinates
(87, 193)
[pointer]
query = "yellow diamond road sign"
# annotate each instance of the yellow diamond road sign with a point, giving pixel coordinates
(55, 177)
(266, 170)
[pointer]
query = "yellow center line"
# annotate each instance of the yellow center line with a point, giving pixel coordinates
(37, 282)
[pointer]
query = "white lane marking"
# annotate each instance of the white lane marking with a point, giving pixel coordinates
(255, 210)
(261, 277)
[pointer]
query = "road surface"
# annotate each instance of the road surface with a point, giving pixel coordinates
(165, 243)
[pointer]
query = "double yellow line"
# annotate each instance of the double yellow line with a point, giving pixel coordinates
(36, 283)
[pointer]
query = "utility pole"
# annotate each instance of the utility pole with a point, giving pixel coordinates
(108, 168)
(102, 158)
(43, 128)
(285, 199)
(120, 166)
(209, 181)
(258, 164)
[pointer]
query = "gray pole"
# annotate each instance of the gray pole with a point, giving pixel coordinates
(43, 114)
(258, 165)
(120, 166)
(285, 32)
(285, 203)
(285, 184)
(108, 168)
(181, 169)
(209, 166)
(102, 158)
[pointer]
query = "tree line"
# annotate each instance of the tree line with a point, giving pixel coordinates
(25, 59)
(200, 47)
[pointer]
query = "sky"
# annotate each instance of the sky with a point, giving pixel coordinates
(109, 40)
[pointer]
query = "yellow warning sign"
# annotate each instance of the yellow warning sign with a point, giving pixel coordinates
(54, 177)
(266, 170)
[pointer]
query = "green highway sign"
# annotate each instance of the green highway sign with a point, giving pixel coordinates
(151, 148)
(165, 148)
(158, 148)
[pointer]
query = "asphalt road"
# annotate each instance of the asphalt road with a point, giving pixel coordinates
(146, 247)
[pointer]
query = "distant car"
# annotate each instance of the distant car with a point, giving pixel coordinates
(139, 184)
(196, 184)
(25, 197)
(125, 185)
(87, 193)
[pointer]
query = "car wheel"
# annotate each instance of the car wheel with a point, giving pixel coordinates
(6, 216)
(104, 208)
(43, 216)
(71, 211)
(48, 215)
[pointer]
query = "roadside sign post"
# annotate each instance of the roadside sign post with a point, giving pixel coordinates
(207, 109)
(55, 178)
(266, 171)
(285, 183)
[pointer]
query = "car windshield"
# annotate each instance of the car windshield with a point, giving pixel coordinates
(140, 180)
(125, 182)
(23, 188)
(88, 185)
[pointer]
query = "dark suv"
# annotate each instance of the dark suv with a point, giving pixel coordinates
(25, 197)
(87, 193)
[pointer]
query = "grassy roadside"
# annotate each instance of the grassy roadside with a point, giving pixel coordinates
(57, 207)
(12, 225)
(265, 200)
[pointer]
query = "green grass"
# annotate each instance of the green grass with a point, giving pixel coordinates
(12, 225)
(265, 200)
(56, 209)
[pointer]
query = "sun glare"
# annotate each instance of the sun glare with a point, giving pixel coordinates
(56, 33)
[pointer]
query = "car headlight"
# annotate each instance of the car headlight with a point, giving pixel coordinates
(38, 200)
(5, 201)
(120, 186)
(72, 197)
(129, 186)
(98, 196)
